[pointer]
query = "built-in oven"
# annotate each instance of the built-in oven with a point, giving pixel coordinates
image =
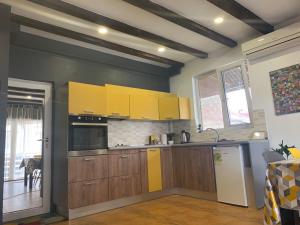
(87, 135)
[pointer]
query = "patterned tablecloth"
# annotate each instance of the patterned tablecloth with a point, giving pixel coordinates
(31, 164)
(282, 189)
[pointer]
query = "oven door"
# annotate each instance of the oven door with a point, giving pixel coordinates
(87, 136)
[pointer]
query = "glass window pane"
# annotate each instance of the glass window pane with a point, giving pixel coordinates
(235, 96)
(210, 102)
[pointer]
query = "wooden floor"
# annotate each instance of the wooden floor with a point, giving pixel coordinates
(174, 210)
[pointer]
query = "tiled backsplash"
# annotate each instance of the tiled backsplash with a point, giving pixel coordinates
(133, 132)
(259, 124)
(136, 132)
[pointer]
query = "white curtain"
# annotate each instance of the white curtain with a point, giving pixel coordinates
(23, 130)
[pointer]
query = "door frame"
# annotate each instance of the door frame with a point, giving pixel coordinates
(47, 150)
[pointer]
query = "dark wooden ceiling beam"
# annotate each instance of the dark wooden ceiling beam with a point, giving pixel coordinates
(118, 26)
(92, 40)
(182, 21)
(240, 12)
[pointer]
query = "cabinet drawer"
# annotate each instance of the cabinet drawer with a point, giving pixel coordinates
(124, 186)
(124, 164)
(87, 168)
(88, 193)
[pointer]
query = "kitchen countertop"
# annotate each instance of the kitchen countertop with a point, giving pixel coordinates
(202, 143)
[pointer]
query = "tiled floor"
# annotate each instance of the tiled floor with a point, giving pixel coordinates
(174, 210)
(18, 197)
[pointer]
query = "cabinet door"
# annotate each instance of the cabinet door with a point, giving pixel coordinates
(124, 186)
(87, 99)
(144, 171)
(195, 163)
(154, 169)
(184, 108)
(124, 164)
(117, 101)
(87, 168)
(144, 107)
(88, 193)
(167, 169)
(168, 108)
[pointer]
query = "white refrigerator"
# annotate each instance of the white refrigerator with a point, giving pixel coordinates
(230, 175)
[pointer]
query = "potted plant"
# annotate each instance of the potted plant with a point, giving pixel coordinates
(283, 150)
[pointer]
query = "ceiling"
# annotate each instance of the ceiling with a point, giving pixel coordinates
(203, 12)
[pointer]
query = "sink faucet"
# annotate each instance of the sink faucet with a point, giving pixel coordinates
(217, 139)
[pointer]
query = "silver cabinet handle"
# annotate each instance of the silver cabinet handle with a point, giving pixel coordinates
(89, 159)
(88, 111)
(124, 156)
(90, 183)
(116, 114)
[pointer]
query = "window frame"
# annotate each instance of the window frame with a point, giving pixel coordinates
(218, 72)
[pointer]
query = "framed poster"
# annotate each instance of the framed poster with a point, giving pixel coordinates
(286, 89)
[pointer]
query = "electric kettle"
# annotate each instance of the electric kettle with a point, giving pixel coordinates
(185, 136)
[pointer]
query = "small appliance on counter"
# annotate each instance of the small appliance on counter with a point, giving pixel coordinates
(185, 137)
(154, 139)
(164, 139)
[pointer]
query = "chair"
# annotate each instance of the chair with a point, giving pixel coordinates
(271, 156)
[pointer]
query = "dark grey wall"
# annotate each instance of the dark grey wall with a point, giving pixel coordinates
(4, 62)
(42, 64)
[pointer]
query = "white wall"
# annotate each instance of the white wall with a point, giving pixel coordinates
(286, 127)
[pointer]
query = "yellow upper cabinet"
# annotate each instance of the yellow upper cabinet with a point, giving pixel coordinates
(144, 106)
(117, 101)
(168, 107)
(87, 99)
(184, 108)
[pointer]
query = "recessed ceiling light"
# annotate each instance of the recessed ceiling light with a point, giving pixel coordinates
(261, 39)
(161, 49)
(29, 97)
(219, 20)
(102, 30)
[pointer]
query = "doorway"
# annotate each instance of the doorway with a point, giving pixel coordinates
(27, 167)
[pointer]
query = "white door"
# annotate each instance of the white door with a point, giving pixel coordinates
(41, 187)
(230, 178)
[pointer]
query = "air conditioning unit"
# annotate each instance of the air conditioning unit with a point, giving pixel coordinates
(281, 39)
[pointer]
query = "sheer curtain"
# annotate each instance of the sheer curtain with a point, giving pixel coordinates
(23, 130)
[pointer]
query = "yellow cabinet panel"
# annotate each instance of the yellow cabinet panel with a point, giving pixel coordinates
(154, 169)
(168, 107)
(184, 108)
(144, 107)
(87, 99)
(117, 102)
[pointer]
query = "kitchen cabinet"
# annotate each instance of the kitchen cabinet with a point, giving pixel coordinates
(87, 168)
(184, 108)
(168, 107)
(87, 99)
(154, 169)
(88, 193)
(124, 164)
(167, 168)
(194, 168)
(117, 101)
(144, 107)
(144, 171)
(124, 186)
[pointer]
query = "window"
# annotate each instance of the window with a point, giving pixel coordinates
(223, 98)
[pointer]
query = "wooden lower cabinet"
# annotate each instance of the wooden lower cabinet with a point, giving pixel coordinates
(87, 168)
(167, 169)
(124, 186)
(144, 171)
(194, 168)
(124, 164)
(88, 193)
